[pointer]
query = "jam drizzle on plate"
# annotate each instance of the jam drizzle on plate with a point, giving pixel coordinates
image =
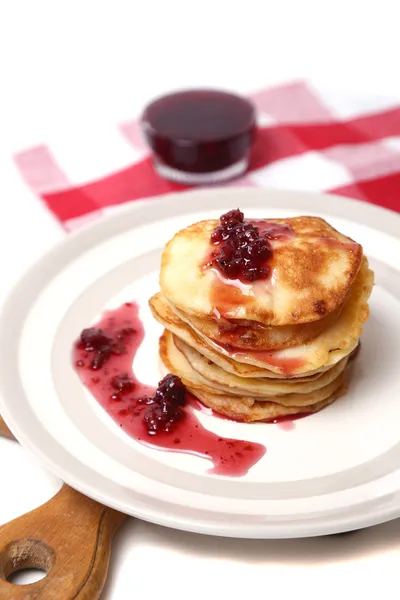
(103, 358)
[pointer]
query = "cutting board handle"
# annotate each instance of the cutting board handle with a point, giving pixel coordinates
(69, 537)
(4, 431)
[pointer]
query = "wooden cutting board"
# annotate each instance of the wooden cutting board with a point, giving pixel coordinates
(69, 537)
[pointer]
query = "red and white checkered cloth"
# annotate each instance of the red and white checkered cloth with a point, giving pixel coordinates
(309, 139)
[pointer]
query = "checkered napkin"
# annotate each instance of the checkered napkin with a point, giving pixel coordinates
(309, 139)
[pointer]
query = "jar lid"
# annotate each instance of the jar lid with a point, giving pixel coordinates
(200, 136)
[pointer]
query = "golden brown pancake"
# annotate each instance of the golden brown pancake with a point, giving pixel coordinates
(312, 273)
(259, 411)
(246, 408)
(172, 357)
(251, 334)
(331, 346)
(163, 314)
(255, 386)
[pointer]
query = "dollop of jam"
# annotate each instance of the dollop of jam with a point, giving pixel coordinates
(165, 406)
(242, 249)
(100, 346)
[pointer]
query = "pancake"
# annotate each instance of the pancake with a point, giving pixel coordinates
(259, 411)
(256, 386)
(312, 272)
(162, 312)
(246, 408)
(251, 334)
(176, 362)
(332, 345)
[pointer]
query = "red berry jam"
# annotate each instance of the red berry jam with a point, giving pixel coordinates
(166, 405)
(200, 136)
(123, 383)
(162, 418)
(100, 346)
(243, 251)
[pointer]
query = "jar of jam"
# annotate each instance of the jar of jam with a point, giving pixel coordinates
(200, 136)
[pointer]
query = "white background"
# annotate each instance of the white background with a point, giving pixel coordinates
(62, 62)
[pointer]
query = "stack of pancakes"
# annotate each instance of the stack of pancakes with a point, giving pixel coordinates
(270, 348)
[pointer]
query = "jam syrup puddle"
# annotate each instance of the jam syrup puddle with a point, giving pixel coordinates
(107, 373)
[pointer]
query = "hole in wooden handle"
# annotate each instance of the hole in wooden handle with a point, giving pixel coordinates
(25, 554)
(27, 576)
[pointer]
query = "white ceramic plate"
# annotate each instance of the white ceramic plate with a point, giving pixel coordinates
(338, 470)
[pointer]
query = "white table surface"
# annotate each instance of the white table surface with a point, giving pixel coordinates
(61, 62)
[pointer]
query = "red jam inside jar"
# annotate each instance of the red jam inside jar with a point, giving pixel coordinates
(200, 136)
